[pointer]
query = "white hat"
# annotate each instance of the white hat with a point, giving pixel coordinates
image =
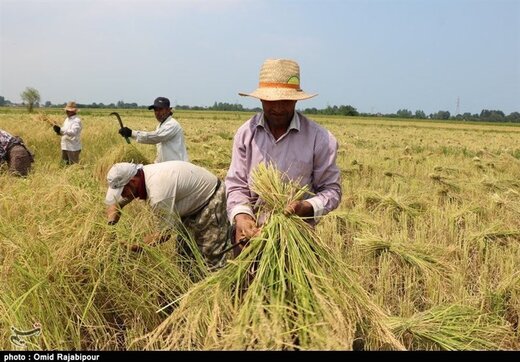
(118, 176)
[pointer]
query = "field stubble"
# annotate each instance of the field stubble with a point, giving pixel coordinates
(429, 224)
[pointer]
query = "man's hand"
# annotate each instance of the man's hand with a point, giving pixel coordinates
(153, 239)
(57, 129)
(156, 238)
(125, 132)
(113, 214)
(300, 208)
(245, 228)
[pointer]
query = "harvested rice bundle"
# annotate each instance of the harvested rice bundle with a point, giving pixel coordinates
(424, 258)
(41, 117)
(286, 290)
(453, 327)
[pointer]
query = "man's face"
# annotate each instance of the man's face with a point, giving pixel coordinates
(70, 113)
(130, 190)
(161, 113)
(279, 112)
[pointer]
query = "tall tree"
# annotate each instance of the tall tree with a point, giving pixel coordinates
(31, 96)
(420, 114)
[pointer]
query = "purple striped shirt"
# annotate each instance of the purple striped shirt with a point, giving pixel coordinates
(306, 152)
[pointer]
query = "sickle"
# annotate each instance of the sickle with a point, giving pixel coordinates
(120, 123)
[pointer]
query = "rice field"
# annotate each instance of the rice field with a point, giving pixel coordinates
(425, 245)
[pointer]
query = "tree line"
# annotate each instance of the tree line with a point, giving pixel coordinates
(31, 99)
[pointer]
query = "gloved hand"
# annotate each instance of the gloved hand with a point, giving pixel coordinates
(125, 132)
(57, 129)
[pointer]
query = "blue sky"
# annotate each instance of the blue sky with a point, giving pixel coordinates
(375, 55)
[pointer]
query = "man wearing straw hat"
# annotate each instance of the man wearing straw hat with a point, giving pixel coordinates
(168, 136)
(297, 146)
(70, 133)
(177, 191)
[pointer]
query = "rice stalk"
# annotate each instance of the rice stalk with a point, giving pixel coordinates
(441, 180)
(454, 328)
(505, 299)
(41, 117)
(121, 153)
(394, 205)
(496, 234)
(286, 290)
(421, 257)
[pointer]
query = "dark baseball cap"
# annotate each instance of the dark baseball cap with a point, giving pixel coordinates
(160, 102)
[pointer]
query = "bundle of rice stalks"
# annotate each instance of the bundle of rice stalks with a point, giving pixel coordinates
(442, 180)
(40, 117)
(496, 234)
(286, 290)
(122, 153)
(505, 299)
(507, 200)
(448, 170)
(453, 328)
(471, 213)
(395, 205)
(421, 257)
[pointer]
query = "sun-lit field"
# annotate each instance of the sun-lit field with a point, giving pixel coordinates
(429, 225)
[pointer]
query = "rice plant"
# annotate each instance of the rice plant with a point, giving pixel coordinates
(285, 291)
(452, 327)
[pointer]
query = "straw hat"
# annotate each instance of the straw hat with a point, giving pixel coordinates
(71, 106)
(279, 80)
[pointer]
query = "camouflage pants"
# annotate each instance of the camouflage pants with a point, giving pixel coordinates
(20, 160)
(210, 228)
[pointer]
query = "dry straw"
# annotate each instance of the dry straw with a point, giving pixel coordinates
(121, 153)
(286, 290)
(424, 258)
(454, 328)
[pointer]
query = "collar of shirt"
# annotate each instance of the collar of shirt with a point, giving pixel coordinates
(166, 120)
(295, 123)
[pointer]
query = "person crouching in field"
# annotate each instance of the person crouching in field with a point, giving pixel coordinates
(70, 133)
(176, 191)
(15, 153)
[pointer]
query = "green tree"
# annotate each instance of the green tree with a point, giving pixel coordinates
(404, 113)
(420, 114)
(31, 96)
(514, 117)
(441, 115)
(492, 115)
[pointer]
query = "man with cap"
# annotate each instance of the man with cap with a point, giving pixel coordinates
(168, 136)
(177, 191)
(70, 133)
(15, 153)
(297, 146)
